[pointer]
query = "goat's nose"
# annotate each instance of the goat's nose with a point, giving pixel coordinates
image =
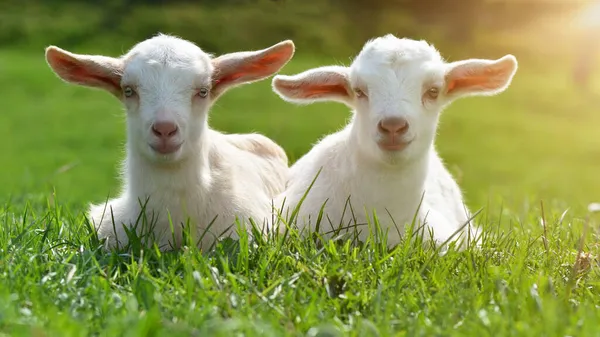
(164, 129)
(393, 125)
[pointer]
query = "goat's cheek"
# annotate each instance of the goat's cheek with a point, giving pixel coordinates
(199, 106)
(428, 105)
(132, 105)
(362, 104)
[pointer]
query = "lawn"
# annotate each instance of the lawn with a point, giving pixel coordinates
(536, 144)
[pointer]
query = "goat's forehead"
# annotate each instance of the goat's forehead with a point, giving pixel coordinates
(167, 53)
(391, 52)
(165, 47)
(389, 58)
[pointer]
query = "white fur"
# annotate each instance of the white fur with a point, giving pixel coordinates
(212, 174)
(395, 76)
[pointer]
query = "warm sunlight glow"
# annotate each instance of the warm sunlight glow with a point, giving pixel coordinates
(590, 16)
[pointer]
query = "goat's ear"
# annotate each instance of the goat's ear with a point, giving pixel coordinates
(480, 77)
(249, 66)
(329, 83)
(88, 70)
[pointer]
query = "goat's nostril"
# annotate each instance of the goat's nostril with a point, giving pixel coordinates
(164, 129)
(381, 128)
(404, 128)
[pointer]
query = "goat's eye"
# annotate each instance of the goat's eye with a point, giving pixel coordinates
(203, 92)
(433, 93)
(359, 93)
(128, 91)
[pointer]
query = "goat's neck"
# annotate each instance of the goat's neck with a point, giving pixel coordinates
(144, 177)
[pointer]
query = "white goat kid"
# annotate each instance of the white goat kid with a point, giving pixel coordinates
(384, 160)
(176, 166)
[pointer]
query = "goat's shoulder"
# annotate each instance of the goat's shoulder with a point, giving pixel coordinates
(441, 189)
(438, 176)
(239, 159)
(257, 144)
(329, 152)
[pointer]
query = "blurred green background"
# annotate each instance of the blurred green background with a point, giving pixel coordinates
(538, 140)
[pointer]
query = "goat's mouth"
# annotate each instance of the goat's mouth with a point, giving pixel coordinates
(165, 148)
(393, 145)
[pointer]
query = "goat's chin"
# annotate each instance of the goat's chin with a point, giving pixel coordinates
(373, 154)
(394, 158)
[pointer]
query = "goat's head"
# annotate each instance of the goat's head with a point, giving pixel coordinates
(167, 86)
(397, 87)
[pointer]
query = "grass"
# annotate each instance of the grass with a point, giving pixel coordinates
(534, 145)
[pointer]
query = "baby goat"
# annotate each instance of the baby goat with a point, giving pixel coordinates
(385, 160)
(176, 167)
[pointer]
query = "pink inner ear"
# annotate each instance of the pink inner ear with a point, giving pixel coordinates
(262, 67)
(483, 77)
(468, 82)
(331, 89)
(314, 90)
(88, 73)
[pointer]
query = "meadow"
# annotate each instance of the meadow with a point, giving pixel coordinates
(528, 158)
